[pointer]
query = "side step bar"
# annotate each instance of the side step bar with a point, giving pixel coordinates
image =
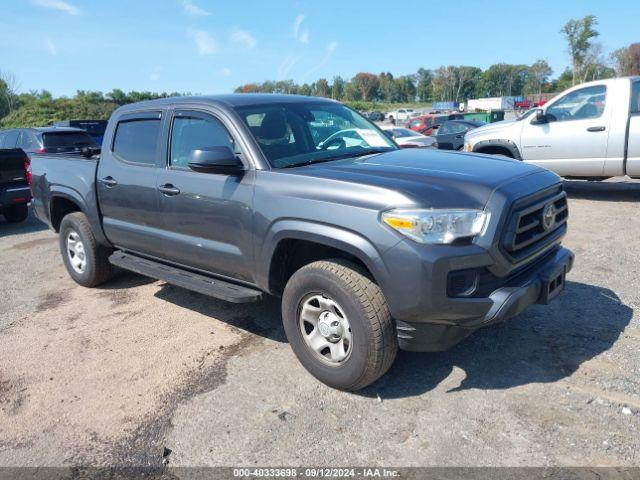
(182, 278)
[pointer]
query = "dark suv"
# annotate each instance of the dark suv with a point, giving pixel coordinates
(46, 139)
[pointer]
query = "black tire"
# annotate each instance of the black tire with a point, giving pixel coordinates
(97, 268)
(16, 213)
(374, 342)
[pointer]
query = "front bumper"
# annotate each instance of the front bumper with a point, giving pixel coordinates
(453, 319)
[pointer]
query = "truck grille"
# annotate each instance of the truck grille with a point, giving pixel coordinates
(535, 223)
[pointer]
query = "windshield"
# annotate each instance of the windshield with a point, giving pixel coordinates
(304, 133)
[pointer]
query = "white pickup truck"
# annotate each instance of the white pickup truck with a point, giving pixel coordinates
(400, 115)
(589, 131)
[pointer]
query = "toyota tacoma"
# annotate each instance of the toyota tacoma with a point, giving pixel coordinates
(370, 247)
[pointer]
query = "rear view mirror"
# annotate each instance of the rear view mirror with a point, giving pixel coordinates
(540, 116)
(215, 160)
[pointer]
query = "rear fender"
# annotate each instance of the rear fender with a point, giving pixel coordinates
(91, 211)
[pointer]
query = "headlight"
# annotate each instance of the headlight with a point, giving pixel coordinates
(468, 147)
(436, 226)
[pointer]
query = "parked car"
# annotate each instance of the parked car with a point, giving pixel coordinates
(589, 131)
(400, 115)
(523, 104)
(95, 128)
(15, 177)
(406, 138)
(375, 116)
(46, 140)
(427, 124)
(372, 248)
(450, 135)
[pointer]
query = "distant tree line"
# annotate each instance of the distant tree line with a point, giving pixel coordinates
(461, 82)
(453, 82)
(37, 108)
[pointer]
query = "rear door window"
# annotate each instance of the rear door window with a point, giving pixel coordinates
(136, 140)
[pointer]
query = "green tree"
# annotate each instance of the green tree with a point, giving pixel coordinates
(321, 88)
(337, 88)
(579, 34)
(424, 88)
(537, 75)
(367, 83)
(304, 89)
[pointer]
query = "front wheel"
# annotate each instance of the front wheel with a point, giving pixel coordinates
(16, 213)
(338, 324)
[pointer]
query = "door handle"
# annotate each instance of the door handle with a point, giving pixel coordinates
(460, 136)
(168, 189)
(596, 129)
(109, 181)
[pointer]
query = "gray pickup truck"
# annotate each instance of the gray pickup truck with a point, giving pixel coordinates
(369, 246)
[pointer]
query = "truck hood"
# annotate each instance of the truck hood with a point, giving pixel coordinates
(490, 127)
(425, 177)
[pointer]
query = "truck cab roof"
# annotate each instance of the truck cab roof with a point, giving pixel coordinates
(229, 100)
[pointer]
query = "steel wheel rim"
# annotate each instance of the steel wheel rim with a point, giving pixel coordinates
(76, 252)
(325, 329)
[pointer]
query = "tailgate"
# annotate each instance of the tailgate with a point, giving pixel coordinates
(12, 166)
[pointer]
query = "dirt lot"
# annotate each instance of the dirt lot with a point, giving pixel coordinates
(118, 373)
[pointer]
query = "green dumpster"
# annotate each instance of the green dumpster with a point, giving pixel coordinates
(487, 117)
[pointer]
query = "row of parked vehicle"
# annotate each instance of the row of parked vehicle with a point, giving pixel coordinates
(17, 146)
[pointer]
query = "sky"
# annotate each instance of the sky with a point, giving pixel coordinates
(212, 46)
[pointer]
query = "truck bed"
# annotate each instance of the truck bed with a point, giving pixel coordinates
(57, 177)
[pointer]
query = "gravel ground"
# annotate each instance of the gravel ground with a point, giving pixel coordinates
(120, 374)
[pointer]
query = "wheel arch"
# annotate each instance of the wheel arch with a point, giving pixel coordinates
(292, 244)
(498, 147)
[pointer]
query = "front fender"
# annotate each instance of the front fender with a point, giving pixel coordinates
(328, 235)
(502, 143)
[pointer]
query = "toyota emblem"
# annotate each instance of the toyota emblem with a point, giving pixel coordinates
(548, 216)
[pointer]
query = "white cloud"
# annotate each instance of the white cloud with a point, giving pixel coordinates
(244, 38)
(297, 23)
(59, 5)
(225, 72)
(286, 66)
(51, 47)
(299, 34)
(205, 43)
(192, 9)
(331, 48)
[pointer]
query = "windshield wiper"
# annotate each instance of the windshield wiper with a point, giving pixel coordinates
(372, 151)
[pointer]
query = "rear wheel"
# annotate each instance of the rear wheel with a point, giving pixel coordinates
(85, 259)
(16, 213)
(338, 324)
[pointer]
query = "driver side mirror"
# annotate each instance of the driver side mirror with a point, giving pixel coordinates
(540, 117)
(215, 160)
